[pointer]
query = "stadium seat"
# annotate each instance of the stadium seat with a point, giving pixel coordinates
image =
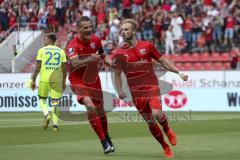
(195, 57)
(187, 66)
(234, 52)
(218, 66)
(197, 66)
(204, 57)
(215, 57)
(168, 56)
(185, 57)
(179, 65)
(227, 65)
(226, 57)
(175, 57)
(208, 66)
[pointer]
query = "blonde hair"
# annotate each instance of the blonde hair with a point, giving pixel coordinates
(132, 22)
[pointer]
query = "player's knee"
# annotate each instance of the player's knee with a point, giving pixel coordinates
(89, 105)
(157, 114)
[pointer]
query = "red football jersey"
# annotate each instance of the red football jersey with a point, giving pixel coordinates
(77, 49)
(136, 63)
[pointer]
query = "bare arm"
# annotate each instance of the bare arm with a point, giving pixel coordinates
(76, 62)
(171, 67)
(35, 74)
(168, 65)
(118, 81)
(36, 71)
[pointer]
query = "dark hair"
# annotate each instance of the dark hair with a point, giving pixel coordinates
(52, 36)
(83, 19)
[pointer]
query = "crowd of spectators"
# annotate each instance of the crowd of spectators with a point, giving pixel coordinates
(175, 26)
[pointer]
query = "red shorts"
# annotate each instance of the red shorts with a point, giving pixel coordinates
(145, 104)
(92, 90)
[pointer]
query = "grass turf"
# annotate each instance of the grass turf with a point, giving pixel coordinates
(201, 136)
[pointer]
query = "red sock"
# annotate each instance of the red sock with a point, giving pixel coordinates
(157, 133)
(104, 123)
(163, 122)
(95, 122)
(154, 128)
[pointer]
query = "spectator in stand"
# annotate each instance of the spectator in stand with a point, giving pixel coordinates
(166, 6)
(157, 25)
(166, 21)
(102, 32)
(101, 15)
(153, 2)
(217, 29)
(23, 16)
(201, 43)
(32, 20)
(60, 11)
(169, 44)
(148, 27)
(197, 29)
(113, 14)
(3, 33)
(33, 6)
(176, 23)
(12, 18)
(237, 28)
(51, 14)
(70, 17)
(208, 32)
(42, 20)
(3, 18)
(229, 29)
(15, 4)
(126, 9)
(137, 6)
(207, 4)
(23, 20)
(105, 11)
(113, 32)
(187, 33)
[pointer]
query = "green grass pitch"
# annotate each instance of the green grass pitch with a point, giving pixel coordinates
(201, 136)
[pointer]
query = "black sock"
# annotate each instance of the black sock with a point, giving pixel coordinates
(109, 140)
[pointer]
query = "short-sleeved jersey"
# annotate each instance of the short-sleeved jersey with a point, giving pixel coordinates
(51, 58)
(136, 63)
(77, 49)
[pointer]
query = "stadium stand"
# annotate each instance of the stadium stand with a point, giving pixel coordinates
(204, 31)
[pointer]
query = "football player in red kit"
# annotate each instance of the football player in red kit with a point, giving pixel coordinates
(134, 58)
(84, 53)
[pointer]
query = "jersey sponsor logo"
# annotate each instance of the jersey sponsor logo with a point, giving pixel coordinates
(143, 51)
(93, 46)
(175, 99)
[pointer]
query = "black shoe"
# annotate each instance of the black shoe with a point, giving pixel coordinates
(110, 143)
(106, 146)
